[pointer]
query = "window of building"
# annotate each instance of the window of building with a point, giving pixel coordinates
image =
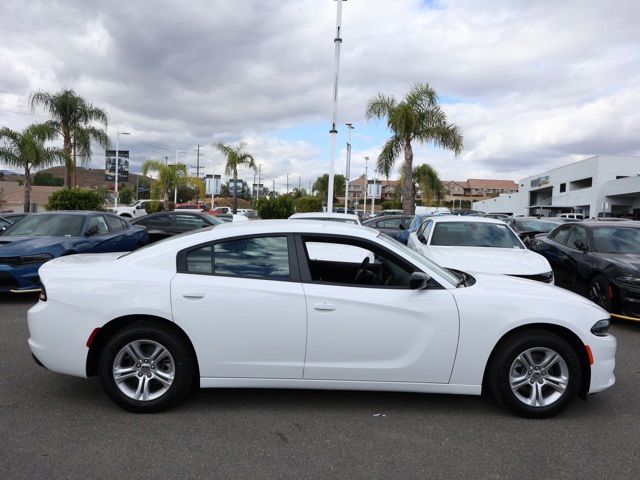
(563, 187)
(580, 184)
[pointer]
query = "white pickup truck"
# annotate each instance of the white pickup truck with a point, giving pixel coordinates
(135, 210)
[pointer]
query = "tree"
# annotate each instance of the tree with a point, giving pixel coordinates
(125, 195)
(236, 157)
(308, 203)
(417, 117)
(27, 151)
(47, 179)
(275, 207)
(72, 118)
(429, 182)
(77, 199)
(321, 185)
(170, 177)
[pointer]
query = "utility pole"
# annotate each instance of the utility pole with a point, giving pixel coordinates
(373, 195)
(337, 41)
(287, 183)
(273, 188)
(348, 169)
(299, 187)
(259, 169)
(366, 184)
(198, 174)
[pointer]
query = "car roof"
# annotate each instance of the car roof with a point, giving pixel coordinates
(542, 219)
(605, 223)
(70, 212)
(466, 218)
(385, 217)
(342, 216)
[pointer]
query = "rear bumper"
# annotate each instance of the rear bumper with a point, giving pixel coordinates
(604, 362)
(57, 337)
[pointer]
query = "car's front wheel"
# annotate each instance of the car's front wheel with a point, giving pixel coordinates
(146, 368)
(535, 374)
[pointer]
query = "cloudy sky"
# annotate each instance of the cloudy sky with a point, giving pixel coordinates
(531, 84)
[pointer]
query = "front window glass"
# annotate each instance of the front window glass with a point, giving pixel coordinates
(99, 222)
(189, 222)
(420, 259)
(616, 240)
(42, 225)
(576, 237)
(474, 234)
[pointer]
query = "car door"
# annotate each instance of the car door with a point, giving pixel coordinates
(241, 303)
(568, 257)
(552, 247)
(361, 330)
(102, 240)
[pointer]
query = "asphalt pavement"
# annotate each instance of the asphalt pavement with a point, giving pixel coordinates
(53, 426)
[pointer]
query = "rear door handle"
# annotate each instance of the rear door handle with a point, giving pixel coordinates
(193, 295)
(324, 306)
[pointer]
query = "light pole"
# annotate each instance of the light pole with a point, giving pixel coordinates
(175, 187)
(337, 41)
(348, 169)
(373, 195)
(366, 184)
(118, 133)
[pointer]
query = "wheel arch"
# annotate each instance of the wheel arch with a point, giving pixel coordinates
(117, 324)
(566, 334)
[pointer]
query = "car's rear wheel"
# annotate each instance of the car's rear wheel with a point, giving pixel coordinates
(146, 368)
(600, 293)
(535, 374)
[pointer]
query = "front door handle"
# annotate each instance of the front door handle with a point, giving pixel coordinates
(324, 306)
(194, 295)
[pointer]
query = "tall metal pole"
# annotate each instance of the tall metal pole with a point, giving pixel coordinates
(198, 174)
(287, 183)
(258, 190)
(118, 133)
(334, 132)
(366, 184)
(348, 168)
(373, 195)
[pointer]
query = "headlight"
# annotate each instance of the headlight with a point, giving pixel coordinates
(628, 280)
(600, 328)
(37, 258)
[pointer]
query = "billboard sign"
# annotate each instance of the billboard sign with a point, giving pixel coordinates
(538, 182)
(110, 165)
(374, 190)
(212, 184)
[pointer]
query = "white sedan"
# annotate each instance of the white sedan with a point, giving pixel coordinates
(245, 306)
(478, 244)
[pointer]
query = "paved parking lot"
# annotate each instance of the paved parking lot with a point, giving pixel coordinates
(54, 426)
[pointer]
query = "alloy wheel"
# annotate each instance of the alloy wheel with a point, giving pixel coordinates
(539, 377)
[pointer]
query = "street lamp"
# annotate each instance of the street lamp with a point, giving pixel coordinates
(118, 133)
(348, 169)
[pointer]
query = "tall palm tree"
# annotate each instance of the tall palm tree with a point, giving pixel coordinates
(321, 185)
(72, 118)
(170, 177)
(236, 157)
(27, 151)
(417, 117)
(429, 182)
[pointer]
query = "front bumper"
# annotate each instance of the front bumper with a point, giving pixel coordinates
(604, 362)
(628, 300)
(19, 278)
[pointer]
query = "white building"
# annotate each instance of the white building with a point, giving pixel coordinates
(601, 185)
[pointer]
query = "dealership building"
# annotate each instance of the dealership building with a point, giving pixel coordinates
(603, 185)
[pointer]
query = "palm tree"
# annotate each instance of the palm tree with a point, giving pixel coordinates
(321, 185)
(170, 177)
(236, 157)
(26, 150)
(417, 117)
(71, 118)
(429, 182)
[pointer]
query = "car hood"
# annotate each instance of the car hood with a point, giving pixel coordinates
(10, 246)
(507, 261)
(628, 261)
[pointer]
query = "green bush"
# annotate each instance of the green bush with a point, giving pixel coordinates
(76, 199)
(125, 196)
(47, 179)
(391, 205)
(277, 207)
(307, 203)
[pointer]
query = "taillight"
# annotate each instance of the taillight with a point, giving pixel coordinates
(43, 295)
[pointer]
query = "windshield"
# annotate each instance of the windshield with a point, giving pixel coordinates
(420, 259)
(536, 226)
(475, 234)
(616, 240)
(47, 225)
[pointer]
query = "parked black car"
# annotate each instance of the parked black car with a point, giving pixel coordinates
(599, 260)
(528, 227)
(166, 224)
(392, 225)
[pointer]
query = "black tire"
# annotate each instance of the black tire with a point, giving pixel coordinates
(149, 334)
(599, 292)
(509, 354)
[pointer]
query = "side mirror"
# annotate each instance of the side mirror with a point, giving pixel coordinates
(419, 281)
(402, 227)
(581, 246)
(92, 230)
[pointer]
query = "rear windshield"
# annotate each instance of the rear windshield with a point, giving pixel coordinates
(616, 240)
(474, 234)
(47, 225)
